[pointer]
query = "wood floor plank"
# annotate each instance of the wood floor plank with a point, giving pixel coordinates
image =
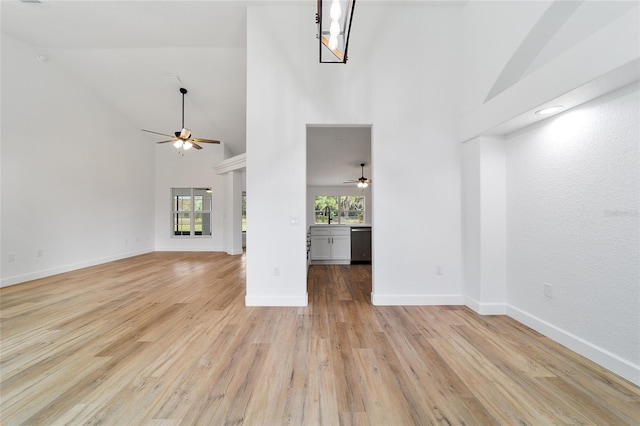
(454, 403)
(165, 339)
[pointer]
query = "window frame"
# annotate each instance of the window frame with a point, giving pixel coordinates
(338, 211)
(192, 213)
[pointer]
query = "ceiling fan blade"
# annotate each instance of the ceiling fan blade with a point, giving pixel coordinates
(351, 181)
(195, 145)
(204, 140)
(167, 141)
(162, 134)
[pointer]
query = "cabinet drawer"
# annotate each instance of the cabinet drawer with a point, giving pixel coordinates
(316, 230)
(342, 230)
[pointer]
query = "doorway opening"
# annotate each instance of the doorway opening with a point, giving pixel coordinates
(339, 213)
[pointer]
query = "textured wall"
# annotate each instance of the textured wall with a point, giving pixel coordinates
(572, 221)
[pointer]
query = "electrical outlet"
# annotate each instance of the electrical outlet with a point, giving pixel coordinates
(40, 253)
(438, 270)
(11, 258)
(276, 271)
(548, 290)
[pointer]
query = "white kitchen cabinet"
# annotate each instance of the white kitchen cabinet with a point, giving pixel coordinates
(330, 244)
(320, 248)
(341, 247)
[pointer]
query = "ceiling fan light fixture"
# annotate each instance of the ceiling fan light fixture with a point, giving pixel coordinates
(183, 139)
(362, 182)
(185, 133)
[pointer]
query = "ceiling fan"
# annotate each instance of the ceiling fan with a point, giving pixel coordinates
(362, 182)
(183, 139)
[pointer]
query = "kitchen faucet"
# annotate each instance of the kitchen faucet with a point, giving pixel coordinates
(327, 213)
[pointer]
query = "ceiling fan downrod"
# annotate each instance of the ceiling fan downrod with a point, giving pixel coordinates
(184, 92)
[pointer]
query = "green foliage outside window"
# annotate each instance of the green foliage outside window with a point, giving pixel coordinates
(344, 209)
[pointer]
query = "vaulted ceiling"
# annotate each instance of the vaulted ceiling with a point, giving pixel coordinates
(137, 54)
(125, 50)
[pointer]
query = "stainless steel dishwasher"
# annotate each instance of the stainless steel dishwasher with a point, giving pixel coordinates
(361, 244)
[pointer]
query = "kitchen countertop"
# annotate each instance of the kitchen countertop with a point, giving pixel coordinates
(345, 225)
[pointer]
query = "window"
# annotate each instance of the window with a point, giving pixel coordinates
(191, 211)
(344, 209)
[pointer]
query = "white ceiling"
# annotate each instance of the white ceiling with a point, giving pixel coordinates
(334, 154)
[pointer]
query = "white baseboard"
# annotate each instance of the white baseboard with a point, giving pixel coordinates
(301, 300)
(17, 279)
(415, 299)
(606, 359)
(486, 308)
(211, 249)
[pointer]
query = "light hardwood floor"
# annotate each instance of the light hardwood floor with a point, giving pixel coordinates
(165, 339)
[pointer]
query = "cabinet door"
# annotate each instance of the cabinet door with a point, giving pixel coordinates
(320, 248)
(341, 247)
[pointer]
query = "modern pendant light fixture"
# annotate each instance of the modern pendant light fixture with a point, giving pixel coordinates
(334, 16)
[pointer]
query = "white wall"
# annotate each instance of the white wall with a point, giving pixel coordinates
(193, 169)
(573, 195)
(484, 225)
(471, 219)
(232, 232)
(77, 180)
(408, 92)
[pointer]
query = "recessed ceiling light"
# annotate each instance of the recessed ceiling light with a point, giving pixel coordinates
(550, 110)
